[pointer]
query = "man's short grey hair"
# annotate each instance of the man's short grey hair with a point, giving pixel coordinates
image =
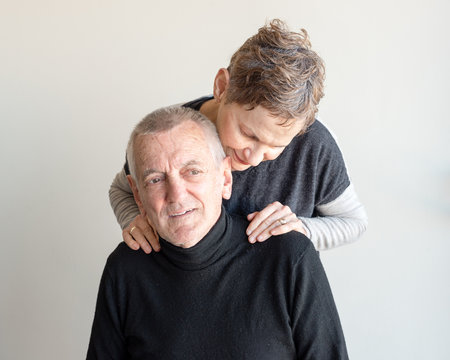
(165, 119)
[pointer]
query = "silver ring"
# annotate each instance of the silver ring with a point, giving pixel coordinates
(131, 230)
(282, 221)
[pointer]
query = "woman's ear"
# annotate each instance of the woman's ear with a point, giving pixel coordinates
(221, 82)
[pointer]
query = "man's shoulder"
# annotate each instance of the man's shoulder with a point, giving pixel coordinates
(293, 245)
(122, 250)
(123, 257)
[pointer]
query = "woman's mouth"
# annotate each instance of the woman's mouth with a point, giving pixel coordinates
(239, 159)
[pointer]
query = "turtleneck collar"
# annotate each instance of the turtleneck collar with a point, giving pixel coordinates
(205, 252)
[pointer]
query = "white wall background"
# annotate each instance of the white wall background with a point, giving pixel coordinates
(75, 76)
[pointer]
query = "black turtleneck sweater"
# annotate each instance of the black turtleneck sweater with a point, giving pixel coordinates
(220, 299)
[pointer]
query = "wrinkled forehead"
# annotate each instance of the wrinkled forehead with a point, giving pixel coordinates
(184, 143)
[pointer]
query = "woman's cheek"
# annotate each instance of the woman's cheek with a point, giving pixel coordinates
(274, 154)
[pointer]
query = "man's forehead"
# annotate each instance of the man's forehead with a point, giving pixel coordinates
(179, 148)
(186, 132)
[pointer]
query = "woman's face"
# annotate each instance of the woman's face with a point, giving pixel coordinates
(252, 136)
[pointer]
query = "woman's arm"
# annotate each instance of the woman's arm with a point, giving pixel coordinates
(340, 222)
(122, 200)
(136, 231)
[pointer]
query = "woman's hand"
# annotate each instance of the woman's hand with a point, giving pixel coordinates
(274, 219)
(139, 234)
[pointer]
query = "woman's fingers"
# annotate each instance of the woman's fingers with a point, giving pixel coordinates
(128, 239)
(139, 234)
(293, 224)
(140, 238)
(152, 237)
(257, 218)
(279, 226)
(263, 221)
(251, 216)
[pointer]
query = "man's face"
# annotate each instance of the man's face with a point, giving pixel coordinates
(179, 187)
(252, 136)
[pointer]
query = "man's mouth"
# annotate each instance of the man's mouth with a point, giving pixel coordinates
(181, 213)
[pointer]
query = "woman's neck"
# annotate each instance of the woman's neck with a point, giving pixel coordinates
(210, 109)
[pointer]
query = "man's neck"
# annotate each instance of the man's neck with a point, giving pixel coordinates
(206, 251)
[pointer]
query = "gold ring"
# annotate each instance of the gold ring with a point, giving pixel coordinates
(282, 221)
(131, 230)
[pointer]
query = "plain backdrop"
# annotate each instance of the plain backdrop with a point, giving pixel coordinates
(75, 76)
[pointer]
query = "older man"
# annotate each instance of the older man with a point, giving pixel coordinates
(208, 294)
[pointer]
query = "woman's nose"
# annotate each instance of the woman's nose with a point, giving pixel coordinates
(254, 156)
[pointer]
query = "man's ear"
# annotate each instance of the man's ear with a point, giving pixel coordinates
(136, 194)
(221, 82)
(228, 178)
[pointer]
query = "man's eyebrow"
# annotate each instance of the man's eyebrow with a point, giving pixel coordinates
(147, 172)
(150, 171)
(192, 162)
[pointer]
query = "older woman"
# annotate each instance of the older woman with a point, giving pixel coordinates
(288, 172)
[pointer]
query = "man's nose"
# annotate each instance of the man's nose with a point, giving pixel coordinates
(255, 155)
(175, 190)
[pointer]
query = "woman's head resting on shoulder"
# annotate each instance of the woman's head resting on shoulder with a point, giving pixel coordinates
(268, 94)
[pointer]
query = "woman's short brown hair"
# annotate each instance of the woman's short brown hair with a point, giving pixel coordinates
(277, 69)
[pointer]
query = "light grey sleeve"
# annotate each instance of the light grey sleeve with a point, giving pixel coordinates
(340, 222)
(122, 200)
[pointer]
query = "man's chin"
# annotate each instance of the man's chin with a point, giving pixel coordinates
(186, 236)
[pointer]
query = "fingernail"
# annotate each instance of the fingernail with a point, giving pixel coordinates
(249, 231)
(251, 239)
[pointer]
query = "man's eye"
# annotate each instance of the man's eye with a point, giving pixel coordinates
(154, 181)
(194, 172)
